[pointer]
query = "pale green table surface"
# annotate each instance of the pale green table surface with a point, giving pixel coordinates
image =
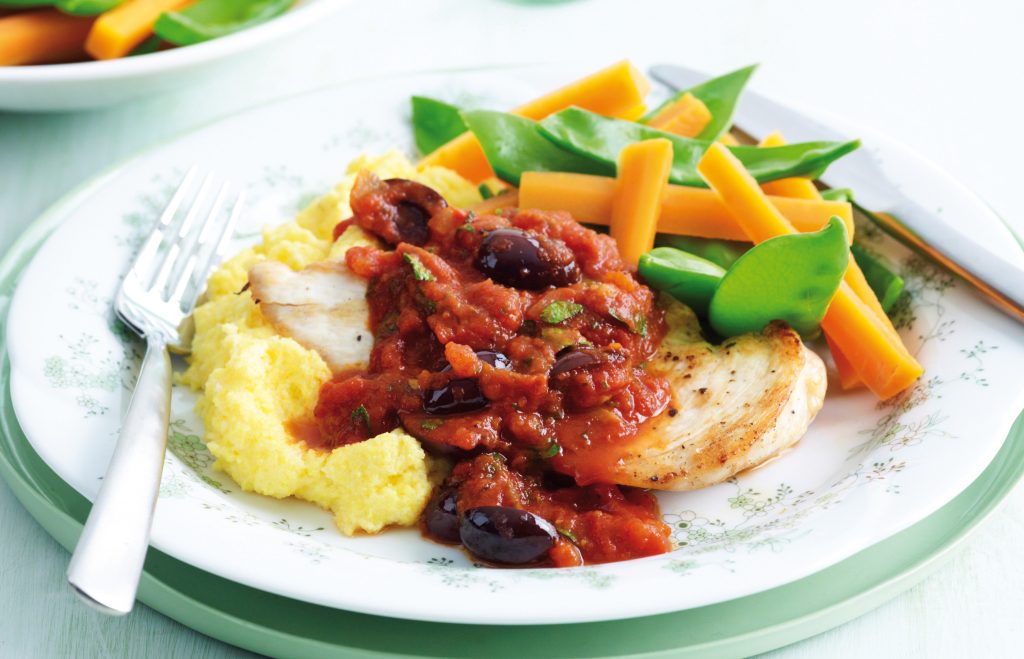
(941, 76)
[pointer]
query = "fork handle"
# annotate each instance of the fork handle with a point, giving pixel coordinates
(107, 562)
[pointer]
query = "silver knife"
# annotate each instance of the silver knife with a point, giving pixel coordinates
(1001, 281)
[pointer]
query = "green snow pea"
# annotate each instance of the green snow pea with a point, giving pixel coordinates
(209, 19)
(601, 139)
(837, 194)
(150, 45)
(686, 277)
(722, 253)
(886, 284)
(435, 123)
(86, 7)
(720, 95)
(791, 278)
(513, 145)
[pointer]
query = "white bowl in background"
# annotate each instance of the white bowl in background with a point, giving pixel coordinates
(81, 85)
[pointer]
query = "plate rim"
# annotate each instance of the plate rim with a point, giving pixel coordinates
(76, 195)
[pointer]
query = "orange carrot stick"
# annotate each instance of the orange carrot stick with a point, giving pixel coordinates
(798, 187)
(877, 353)
(685, 211)
(687, 116)
(616, 91)
(118, 31)
(643, 174)
(42, 36)
(848, 378)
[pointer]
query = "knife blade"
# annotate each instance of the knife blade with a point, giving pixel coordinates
(997, 278)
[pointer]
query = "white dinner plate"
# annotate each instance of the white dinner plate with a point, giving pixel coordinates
(80, 85)
(864, 471)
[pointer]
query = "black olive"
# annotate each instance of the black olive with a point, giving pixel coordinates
(492, 357)
(499, 534)
(573, 359)
(553, 480)
(411, 223)
(413, 204)
(512, 257)
(442, 516)
(462, 394)
(457, 397)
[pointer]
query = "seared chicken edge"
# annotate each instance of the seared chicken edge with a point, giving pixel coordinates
(735, 405)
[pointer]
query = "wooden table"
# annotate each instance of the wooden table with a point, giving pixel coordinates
(941, 76)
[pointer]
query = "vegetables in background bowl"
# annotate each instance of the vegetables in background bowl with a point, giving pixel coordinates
(51, 31)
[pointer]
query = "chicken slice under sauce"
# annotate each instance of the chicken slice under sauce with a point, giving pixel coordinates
(323, 307)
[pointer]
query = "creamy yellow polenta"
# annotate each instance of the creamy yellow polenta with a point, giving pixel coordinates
(252, 381)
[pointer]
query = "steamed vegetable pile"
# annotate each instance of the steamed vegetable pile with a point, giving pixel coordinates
(743, 234)
(49, 31)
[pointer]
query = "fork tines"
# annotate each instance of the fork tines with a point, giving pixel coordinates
(189, 239)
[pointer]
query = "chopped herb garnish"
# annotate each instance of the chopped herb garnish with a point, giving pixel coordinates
(431, 424)
(470, 216)
(569, 536)
(551, 451)
(485, 191)
(560, 311)
(467, 227)
(641, 325)
(360, 414)
(638, 326)
(419, 271)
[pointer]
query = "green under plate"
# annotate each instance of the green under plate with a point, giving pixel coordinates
(278, 626)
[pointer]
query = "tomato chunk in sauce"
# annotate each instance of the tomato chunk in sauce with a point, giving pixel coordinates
(516, 343)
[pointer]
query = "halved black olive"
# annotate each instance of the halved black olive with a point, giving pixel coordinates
(492, 357)
(573, 359)
(457, 397)
(462, 395)
(414, 204)
(411, 223)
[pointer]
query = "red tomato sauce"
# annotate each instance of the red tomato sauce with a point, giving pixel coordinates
(517, 339)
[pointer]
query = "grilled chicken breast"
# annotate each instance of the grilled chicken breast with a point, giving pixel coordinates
(323, 307)
(735, 405)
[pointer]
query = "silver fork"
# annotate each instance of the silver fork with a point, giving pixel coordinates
(155, 299)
